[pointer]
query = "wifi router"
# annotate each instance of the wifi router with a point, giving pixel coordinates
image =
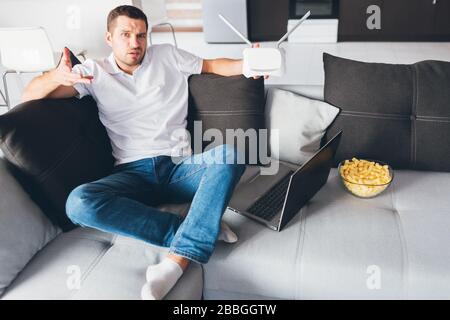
(264, 61)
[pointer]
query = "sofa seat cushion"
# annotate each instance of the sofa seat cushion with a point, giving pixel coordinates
(88, 264)
(394, 246)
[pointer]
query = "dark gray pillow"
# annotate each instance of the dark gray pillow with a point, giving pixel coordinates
(431, 110)
(376, 102)
(227, 103)
(394, 113)
(55, 145)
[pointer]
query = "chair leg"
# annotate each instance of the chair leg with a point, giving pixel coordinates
(5, 85)
(173, 33)
(3, 97)
(150, 37)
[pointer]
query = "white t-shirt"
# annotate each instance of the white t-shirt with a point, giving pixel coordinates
(141, 111)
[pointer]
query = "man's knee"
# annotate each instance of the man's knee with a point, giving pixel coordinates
(79, 205)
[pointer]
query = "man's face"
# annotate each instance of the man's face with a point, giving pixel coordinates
(128, 39)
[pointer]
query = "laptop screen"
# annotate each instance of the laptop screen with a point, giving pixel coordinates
(309, 179)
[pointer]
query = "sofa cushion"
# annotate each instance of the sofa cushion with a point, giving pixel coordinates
(399, 114)
(299, 123)
(57, 144)
(376, 101)
(394, 246)
(24, 229)
(91, 265)
(223, 103)
(431, 115)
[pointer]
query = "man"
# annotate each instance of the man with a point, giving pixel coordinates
(142, 96)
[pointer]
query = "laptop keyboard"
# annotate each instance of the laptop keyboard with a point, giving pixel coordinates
(271, 203)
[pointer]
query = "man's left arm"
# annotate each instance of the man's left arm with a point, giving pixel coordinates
(222, 66)
(226, 67)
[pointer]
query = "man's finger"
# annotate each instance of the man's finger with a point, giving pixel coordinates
(87, 80)
(74, 76)
(84, 80)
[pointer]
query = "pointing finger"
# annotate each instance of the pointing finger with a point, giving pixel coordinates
(84, 80)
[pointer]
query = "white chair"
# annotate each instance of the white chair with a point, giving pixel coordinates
(24, 50)
(156, 13)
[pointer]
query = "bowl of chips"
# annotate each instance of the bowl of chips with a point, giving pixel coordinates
(365, 178)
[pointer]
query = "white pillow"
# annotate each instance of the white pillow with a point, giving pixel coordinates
(24, 229)
(301, 123)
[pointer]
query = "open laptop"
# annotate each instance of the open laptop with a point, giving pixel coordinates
(275, 199)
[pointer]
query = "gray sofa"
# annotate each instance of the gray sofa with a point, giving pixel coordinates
(394, 246)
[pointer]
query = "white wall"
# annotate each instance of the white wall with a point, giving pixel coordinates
(77, 24)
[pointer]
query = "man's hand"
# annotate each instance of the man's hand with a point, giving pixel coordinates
(63, 74)
(256, 45)
(57, 83)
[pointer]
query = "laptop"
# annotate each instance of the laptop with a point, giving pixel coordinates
(274, 200)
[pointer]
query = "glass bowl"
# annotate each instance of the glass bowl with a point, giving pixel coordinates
(365, 188)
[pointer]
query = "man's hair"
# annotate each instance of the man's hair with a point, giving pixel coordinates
(128, 11)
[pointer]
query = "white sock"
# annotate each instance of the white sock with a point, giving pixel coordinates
(226, 234)
(160, 279)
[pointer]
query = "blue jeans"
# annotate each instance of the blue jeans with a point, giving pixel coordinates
(124, 202)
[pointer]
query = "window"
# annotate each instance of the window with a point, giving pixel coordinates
(184, 15)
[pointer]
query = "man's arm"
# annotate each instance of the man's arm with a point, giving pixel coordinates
(57, 83)
(46, 86)
(226, 67)
(222, 66)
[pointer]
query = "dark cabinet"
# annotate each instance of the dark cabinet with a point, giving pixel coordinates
(401, 20)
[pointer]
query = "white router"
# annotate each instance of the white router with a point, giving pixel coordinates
(264, 61)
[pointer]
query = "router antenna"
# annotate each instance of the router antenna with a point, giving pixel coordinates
(234, 29)
(295, 27)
